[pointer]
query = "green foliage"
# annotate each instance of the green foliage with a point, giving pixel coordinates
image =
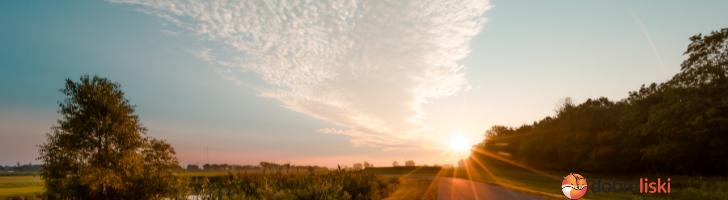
(99, 151)
(680, 126)
(339, 184)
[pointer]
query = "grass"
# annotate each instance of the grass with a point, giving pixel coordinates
(18, 174)
(338, 184)
(415, 189)
(9, 192)
(19, 178)
(547, 185)
(16, 186)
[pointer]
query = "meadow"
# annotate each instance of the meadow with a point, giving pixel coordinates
(20, 185)
(415, 189)
(338, 184)
(546, 184)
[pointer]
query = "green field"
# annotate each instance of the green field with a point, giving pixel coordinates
(547, 185)
(18, 173)
(415, 189)
(543, 185)
(19, 185)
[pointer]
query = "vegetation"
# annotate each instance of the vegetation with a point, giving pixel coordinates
(279, 184)
(415, 189)
(405, 170)
(30, 167)
(276, 184)
(20, 186)
(18, 174)
(546, 184)
(676, 127)
(98, 150)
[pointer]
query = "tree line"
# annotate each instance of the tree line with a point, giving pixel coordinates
(261, 166)
(30, 167)
(678, 127)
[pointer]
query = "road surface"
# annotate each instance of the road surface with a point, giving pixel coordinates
(461, 189)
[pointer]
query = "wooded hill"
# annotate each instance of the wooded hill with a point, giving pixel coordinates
(676, 127)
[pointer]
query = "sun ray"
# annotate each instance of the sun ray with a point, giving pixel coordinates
(470, 177)
(494, 177)
(440, 173)
(452, 190)
(420, 167)
(514, 163)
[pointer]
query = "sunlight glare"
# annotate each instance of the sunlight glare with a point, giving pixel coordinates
(459, 143)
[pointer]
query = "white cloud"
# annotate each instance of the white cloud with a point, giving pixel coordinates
(366, 65)
(168, 32)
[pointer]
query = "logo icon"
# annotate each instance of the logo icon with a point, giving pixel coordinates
(574, 186)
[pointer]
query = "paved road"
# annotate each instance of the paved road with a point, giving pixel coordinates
(461, 189)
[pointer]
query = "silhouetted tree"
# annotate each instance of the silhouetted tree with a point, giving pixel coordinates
(193, 168)
(367, 164)
(395, 164)
(357, 166)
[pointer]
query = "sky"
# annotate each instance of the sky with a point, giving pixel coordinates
(333, 82)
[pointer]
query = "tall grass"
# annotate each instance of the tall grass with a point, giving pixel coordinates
(338, 184)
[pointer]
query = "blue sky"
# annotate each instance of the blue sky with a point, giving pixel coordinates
(300, 92)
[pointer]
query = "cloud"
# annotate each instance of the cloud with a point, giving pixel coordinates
(168, 32)
(366, 65)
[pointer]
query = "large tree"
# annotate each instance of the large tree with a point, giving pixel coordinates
(99, 149)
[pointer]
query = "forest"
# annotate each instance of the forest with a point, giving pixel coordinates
(677, 127)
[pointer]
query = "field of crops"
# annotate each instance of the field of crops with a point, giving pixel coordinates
(19, 185)
(339, 184)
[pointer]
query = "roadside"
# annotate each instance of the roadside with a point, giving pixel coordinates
(461, 189)
(415, 188)
(546, 184)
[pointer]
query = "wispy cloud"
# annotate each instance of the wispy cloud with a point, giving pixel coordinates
(366, 65)
(168, 32)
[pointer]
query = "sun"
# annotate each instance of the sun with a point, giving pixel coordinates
(459, 143)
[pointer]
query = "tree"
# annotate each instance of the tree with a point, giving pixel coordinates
(679, 126)
(409, 163)
(690, 122)
(99, 149)
(367, 164)
(395, 164)
(461, 163)
(357, 166)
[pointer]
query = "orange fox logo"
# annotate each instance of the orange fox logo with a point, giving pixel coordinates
(574, 186)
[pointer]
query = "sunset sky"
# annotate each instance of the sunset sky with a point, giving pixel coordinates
(333, 82)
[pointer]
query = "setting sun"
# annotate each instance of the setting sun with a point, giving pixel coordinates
(373, 99)
(459, 143)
